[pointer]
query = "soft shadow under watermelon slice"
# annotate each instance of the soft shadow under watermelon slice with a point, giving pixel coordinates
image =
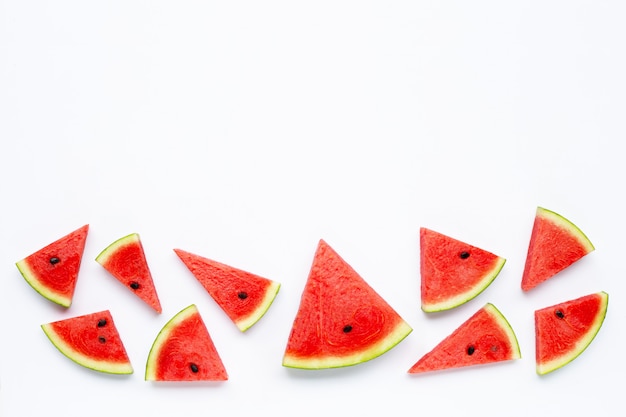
(244, 297)
(341, 320)
(486, 337)
(53, 270)
(184, 351)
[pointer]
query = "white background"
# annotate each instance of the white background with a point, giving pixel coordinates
(247, 130)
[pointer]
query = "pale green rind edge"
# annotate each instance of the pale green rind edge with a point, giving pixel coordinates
(87, 362)
(113, 247)
(468, 295)
(34, 282)
(581, 346)
(163, 336)
(247, 322)
(506, 327)
(401, 331)
(567, 225)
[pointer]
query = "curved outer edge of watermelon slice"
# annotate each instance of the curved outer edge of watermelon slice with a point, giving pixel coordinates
(34, 282)
(566, 224)
(401, 331)
(583, 343)
(507, 328)
(247, 322)
(469, 294)
(113, 247)
(163, 336)
(120, 368)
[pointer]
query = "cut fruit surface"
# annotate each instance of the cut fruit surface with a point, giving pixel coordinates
(555, 244)
(184, 351)
(126, 261)
(453, 272)
(486, 337)
(244, 297)
(91, 340)
(341, 320)
(53, 270)
(563, 331)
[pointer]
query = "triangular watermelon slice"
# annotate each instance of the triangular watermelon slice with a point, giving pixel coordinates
(563, 331)
(486, 337)
(184, 351)
(244, 297)
(125, 260)
(91, 340)
(453, 272)
(341, 320)
(555, 244)
(53, 270)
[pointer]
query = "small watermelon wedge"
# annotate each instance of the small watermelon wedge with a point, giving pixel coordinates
(453, 272)
(125, 259)
(555, 244)
(91, 340)
(53, 270)
(244, 297)
(486, 337)
(563, 331)
(341, 320)
(184, 351)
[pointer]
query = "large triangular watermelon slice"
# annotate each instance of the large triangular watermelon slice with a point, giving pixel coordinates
(453, 272)
(91, 340)
(184, 351)
(341, 320)
(126, 260)
(53, 270)
(244, 297)
(563, 331)
(486, 337)
(555, 244)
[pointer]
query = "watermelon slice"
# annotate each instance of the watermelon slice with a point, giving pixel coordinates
(244, 297)
(184, 351)
(484, 338)
(453, 272)
(53, 270)
(92, 341)
(125, 260)
(341, 320)
(563, 331)
(555, 244)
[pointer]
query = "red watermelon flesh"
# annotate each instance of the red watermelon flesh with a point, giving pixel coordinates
(91, 340)
(341, 320)
(453, 272)
(563, 331)
(53, 270)
(184, 351)
(555, 244)
(484, 338)
(244, 297)
(125, 259)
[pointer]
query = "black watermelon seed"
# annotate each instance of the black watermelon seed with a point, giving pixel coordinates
(102, 322)
(347, 328)
(470, 350)
(464, 255)
(193, 367)
(134, 285)
(102, 339)
(242, 295)
(54, 260)
(559, 314)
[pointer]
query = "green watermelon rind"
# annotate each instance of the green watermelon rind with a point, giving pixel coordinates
(581, 346)
(400, 332)
(507, 328)
(248, 321)
(163, 337)
(30, 277)
(567, 225)
(107, 252)
(84, 360)
(468, 295)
